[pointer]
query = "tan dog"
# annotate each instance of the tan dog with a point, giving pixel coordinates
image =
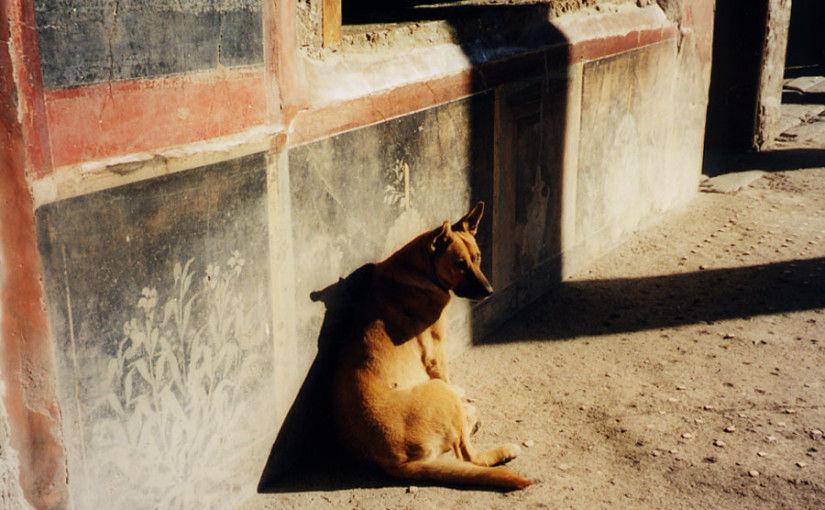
(393, 398)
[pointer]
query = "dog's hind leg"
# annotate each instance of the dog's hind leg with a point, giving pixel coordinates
(464, 450)
(498, 455)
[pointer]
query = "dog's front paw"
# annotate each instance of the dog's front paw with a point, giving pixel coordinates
(509, 452)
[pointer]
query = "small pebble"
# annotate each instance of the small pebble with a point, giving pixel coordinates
(801, 464)
(687, 435)
(762, 454)
(753, 473)
(529, 443)
(771, 439)
(730, 429)
(719, 443)
(412, 489)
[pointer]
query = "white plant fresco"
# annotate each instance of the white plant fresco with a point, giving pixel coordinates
(158, 296)
(178, 406)
(397, 190)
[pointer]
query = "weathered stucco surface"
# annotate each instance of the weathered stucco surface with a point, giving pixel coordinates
(159, 312)
(92, 42)
(178, 283)
(383, 185)
(11, 497)
(622, 177)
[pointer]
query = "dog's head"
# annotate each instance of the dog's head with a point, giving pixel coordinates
(457, 259)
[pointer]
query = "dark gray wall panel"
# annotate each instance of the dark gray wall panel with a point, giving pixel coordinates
(84, 42)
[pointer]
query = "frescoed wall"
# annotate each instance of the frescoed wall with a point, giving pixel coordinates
(182, 177)
(160, 316)
(89, 42)
(384, 185)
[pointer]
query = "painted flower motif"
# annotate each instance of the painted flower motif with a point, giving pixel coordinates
(213, 273)
(176, 386)
(396, 191)
(236, 262)
(148, 299)
(130, 327)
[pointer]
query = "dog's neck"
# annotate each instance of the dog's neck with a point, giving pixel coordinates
(407, 279)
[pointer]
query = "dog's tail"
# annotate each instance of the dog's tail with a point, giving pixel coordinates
(459, 472)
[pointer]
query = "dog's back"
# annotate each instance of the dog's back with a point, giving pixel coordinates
(394, 402)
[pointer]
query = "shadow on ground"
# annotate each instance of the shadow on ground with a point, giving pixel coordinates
(777, 160)
(625, 305)
(307, 454)
(783, 159)
(794, 97)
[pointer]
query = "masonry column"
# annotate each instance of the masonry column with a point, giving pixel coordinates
(26, 365)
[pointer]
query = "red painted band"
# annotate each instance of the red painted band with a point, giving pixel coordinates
(116, 118)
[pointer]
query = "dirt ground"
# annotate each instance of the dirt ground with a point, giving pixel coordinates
(684, 369)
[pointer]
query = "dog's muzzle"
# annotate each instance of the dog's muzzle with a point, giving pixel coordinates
(477, 288)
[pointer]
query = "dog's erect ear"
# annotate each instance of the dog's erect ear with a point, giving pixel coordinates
(469, 223)
(441, 238)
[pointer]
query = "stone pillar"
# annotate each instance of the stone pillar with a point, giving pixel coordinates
(769, 93)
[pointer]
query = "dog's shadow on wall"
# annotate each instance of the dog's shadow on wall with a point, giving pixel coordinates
(307, 455)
